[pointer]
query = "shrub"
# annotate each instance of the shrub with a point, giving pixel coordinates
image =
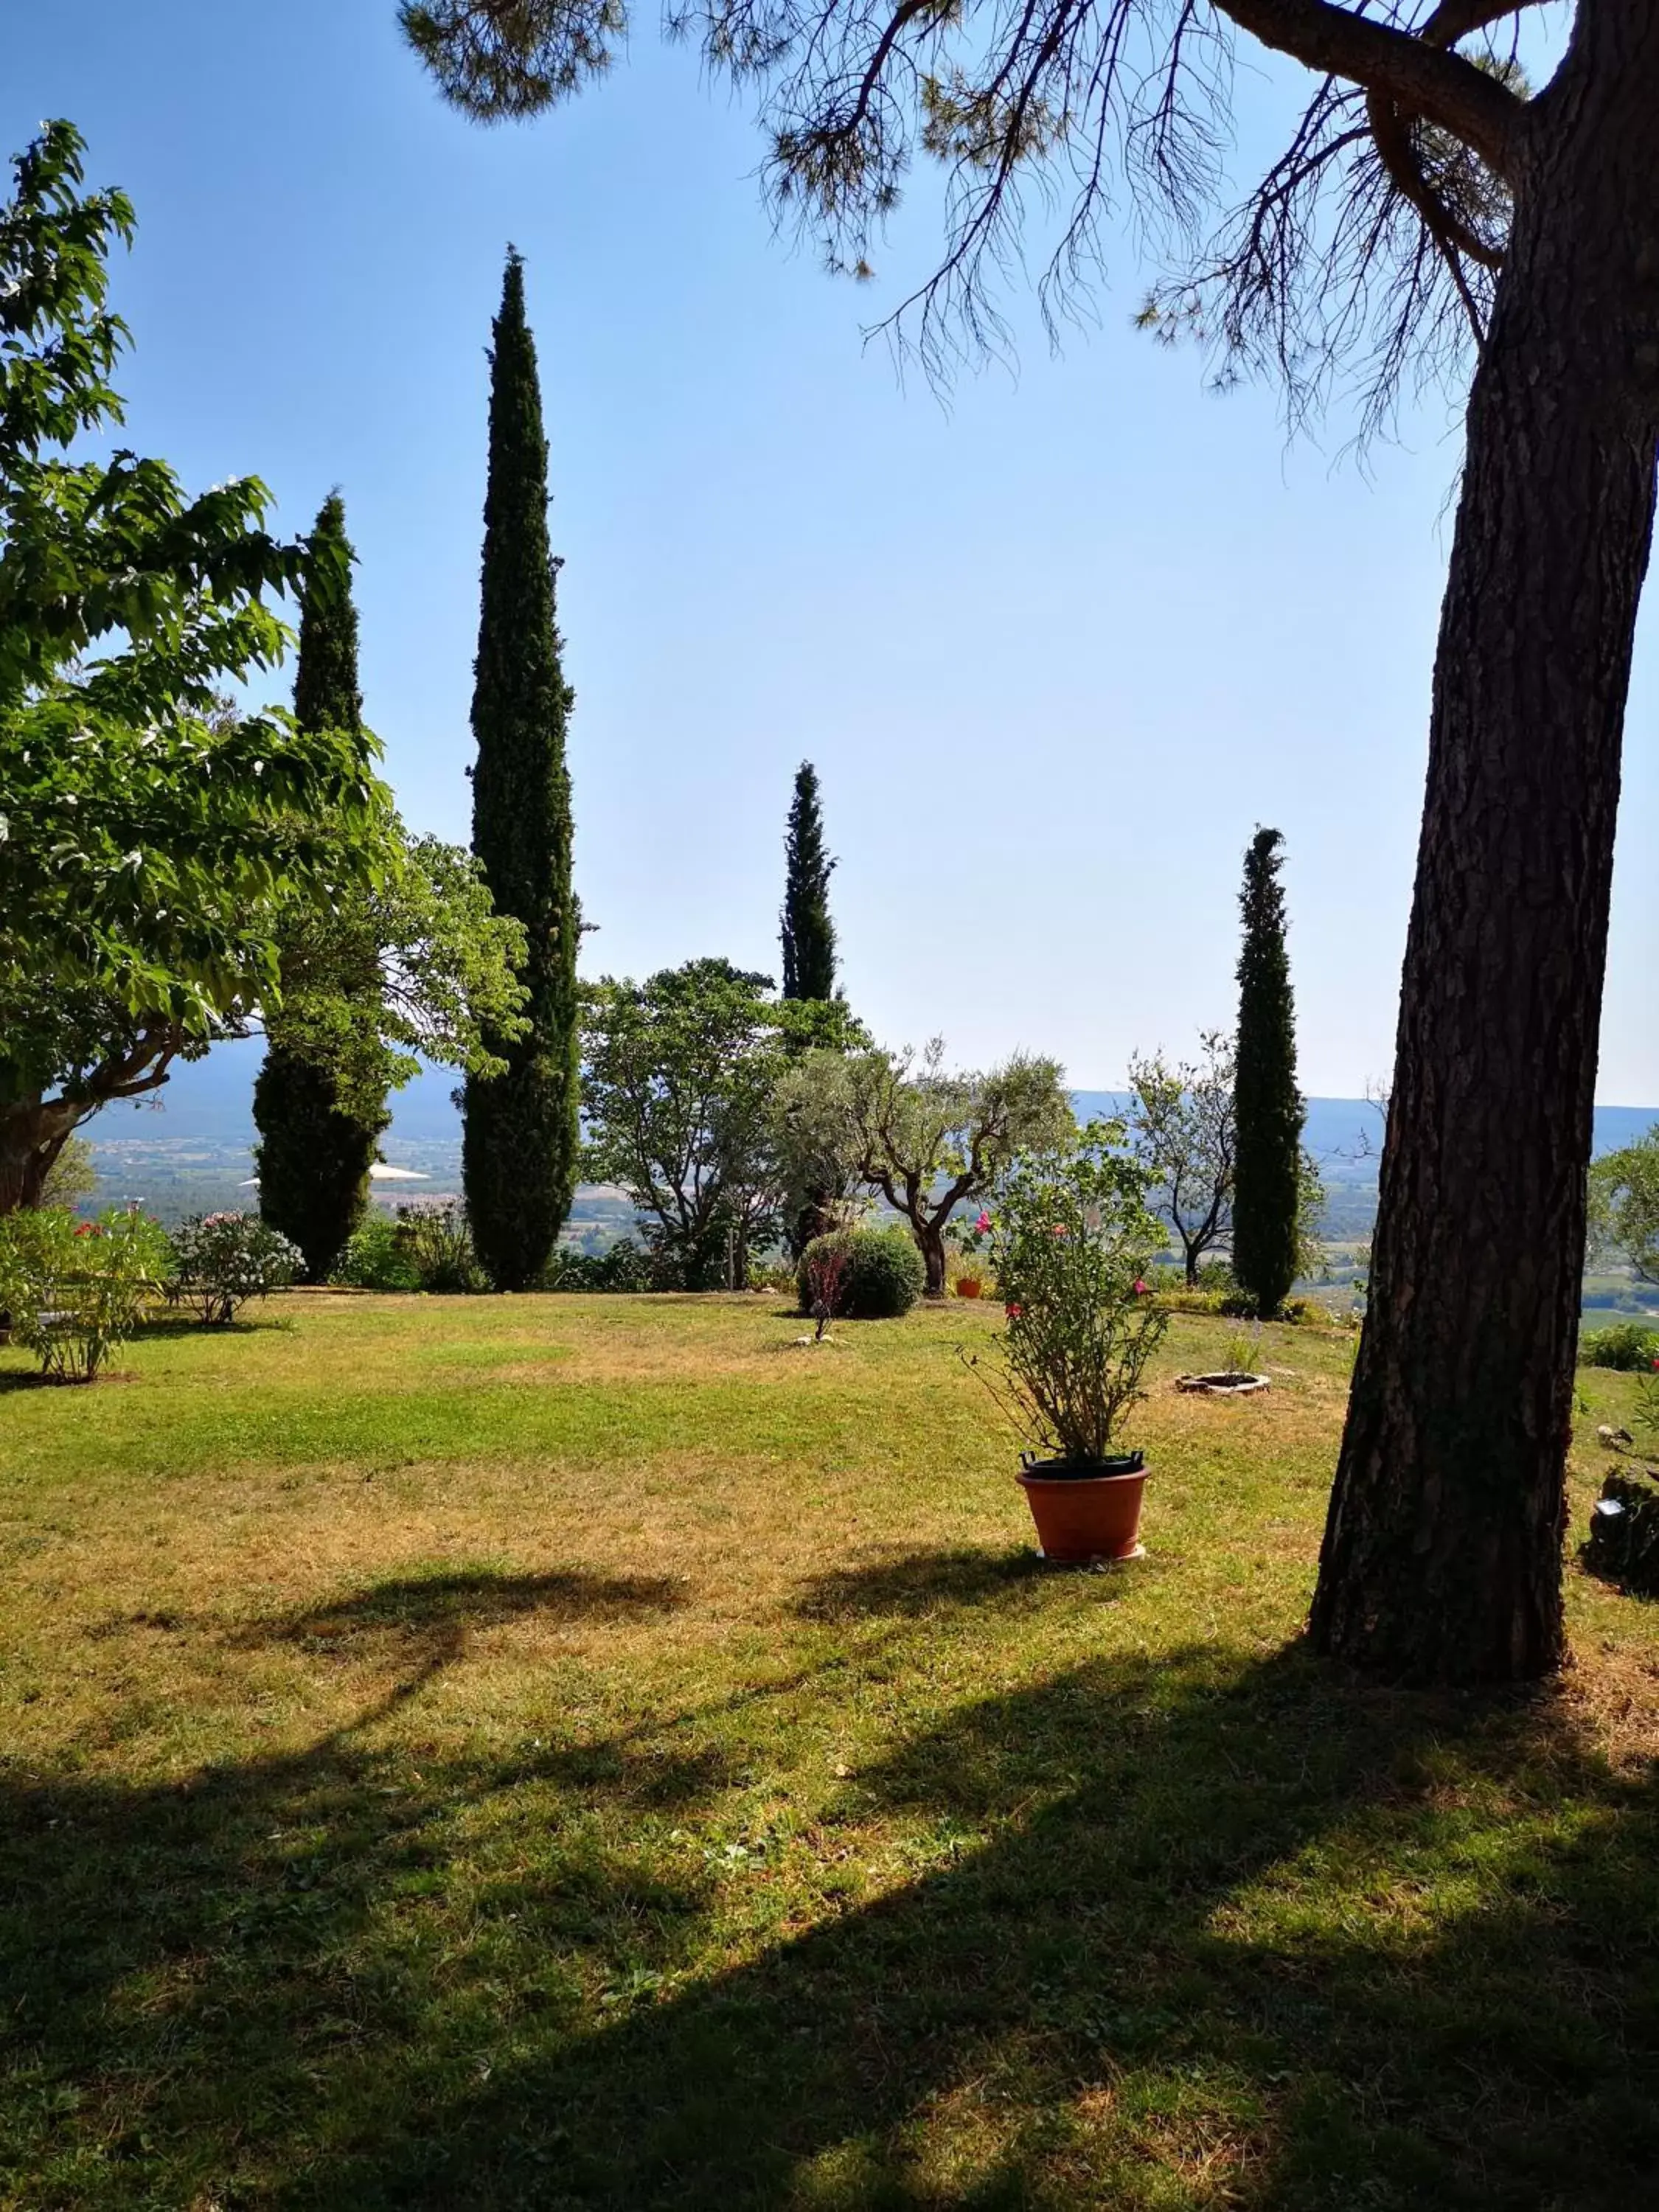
(376, 1259)
(1071, 1240)
(883, 1278)
(436, 1238)
(76, 1290)
(221, 1260)
(1189, 1302)
(1629, 1347)
(624, 1268)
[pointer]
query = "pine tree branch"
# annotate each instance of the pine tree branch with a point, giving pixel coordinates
(1421, 79)
(1454, 19)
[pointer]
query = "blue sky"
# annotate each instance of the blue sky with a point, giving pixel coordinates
(1055, 647)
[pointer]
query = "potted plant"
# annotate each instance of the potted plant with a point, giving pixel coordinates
(970, 1273)
(1071, 1240)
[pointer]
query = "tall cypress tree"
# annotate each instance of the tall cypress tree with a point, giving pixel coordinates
(318, 1126)
(1268, 1107)
(522, 1129)
(809, 935)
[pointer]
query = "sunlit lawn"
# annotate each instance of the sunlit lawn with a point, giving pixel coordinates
(596, 1752)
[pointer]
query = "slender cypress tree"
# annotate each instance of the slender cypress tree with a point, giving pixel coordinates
(1268, 1107)
(317, 1134)
(809, 935)
(522, 1129)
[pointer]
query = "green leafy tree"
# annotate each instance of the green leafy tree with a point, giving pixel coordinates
(926, 1138)
(1182, 1123)
(1625, 1204)
(1268, 1105)
(321, 1125)
(808, 933)
(680, 1075)
(1431, 210)
(419, 969)
(522, 1126)
(150, 842)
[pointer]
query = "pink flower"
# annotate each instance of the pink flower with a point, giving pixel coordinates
(1140, 1288)
(1058, 1229)
(1014, 1312)
(984, 1223)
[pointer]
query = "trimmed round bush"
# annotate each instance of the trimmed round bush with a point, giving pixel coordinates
(882, 1278)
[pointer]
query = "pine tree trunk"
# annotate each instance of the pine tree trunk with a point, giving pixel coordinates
(1442, 1559)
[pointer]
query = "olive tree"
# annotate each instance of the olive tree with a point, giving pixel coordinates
(1184, 1126)
(1430, 209)
(924, 1139)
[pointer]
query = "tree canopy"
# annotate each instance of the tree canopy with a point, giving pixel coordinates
(1372, 241)
(924, 1137)
(149, 838)
(1625, 1204)
(679, 1078)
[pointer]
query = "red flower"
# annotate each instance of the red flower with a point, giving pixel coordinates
(84, 1229)
(1014, 1312)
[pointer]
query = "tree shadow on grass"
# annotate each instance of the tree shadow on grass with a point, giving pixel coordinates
(422, 1623)
(14, 1379)
(914, 1582)
(1184, 1932)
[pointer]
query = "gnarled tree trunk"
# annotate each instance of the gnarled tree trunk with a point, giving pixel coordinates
(1443, 1553)
(32, 1132)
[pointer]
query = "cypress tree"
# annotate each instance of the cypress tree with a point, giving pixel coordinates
(522, 1129)
(1268, 1107)
(318, 1136)
(809, 935)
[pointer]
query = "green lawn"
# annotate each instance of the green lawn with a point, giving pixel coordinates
(569, 1752)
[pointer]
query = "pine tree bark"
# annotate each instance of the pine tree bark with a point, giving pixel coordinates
(1442, 1559)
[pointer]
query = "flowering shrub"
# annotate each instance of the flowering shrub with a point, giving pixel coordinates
(76, 1290)
(1070, 1242)
(436, 1238)
(220, 1261)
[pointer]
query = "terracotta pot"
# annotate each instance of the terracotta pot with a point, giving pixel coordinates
(1092, 1516)
(969, 1287)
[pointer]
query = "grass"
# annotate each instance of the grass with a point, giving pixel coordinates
(582, 1751)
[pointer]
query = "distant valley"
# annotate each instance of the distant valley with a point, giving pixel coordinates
(190, 1149)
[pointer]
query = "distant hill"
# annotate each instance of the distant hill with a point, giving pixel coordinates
(214, 1099)
(189, 1149)
(1338, 1130)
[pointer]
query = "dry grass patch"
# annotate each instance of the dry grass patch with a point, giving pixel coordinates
(575, 1750)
